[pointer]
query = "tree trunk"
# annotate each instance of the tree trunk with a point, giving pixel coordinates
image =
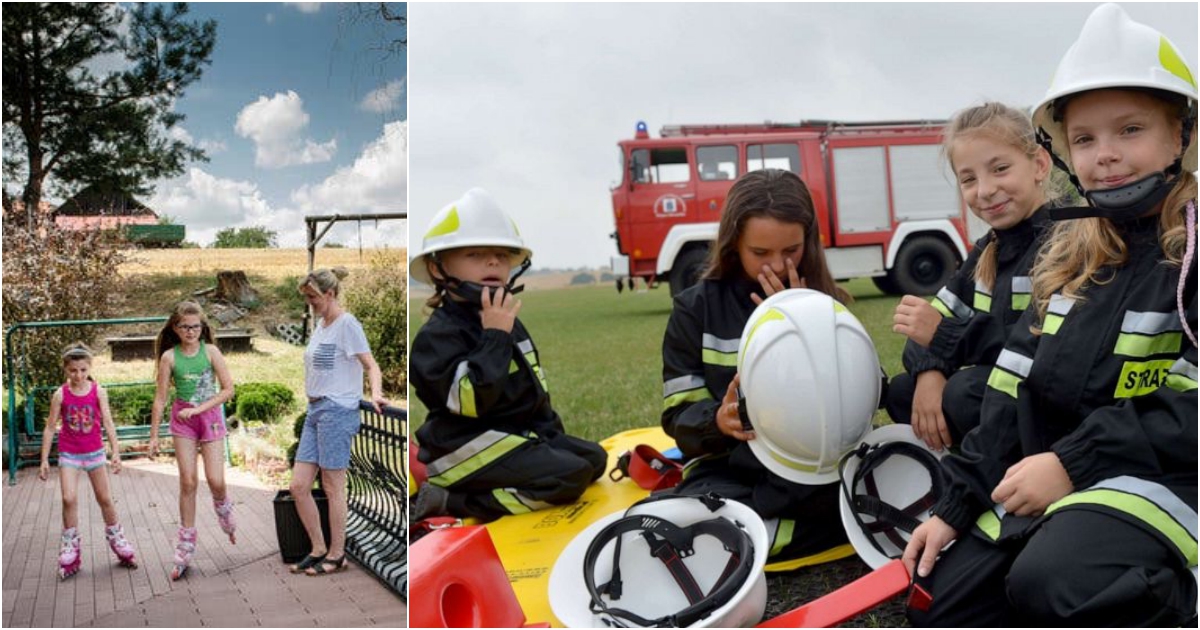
(233, 287)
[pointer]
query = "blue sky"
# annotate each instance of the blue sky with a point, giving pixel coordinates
(299, 116)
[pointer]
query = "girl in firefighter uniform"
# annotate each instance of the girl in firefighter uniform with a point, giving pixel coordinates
(1074, 502)
(953, 343)
(768, 240)
(492, 443)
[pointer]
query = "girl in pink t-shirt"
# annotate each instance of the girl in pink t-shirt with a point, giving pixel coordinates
(82, 405)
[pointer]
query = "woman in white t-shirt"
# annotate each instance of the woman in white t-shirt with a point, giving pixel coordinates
(334, 362)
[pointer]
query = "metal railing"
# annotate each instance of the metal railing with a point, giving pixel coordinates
(377, 488)
(22, 432)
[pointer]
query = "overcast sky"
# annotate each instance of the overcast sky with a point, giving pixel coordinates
(529, 100)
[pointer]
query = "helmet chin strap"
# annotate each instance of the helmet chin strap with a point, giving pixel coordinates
(472, 292)
(1124, 203)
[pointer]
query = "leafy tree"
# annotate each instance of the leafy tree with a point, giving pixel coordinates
(71, 121)
(379, 299)
(583, 278)
(251, 237)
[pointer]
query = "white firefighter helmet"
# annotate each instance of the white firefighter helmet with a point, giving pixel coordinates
(718, 581)
(810, 379)
(474, 220)
(1113, 51)
(888, 486)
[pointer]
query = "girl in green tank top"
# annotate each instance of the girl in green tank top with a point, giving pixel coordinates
(190, 361)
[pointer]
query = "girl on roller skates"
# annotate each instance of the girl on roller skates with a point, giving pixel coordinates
(82, 405)
(189, 359)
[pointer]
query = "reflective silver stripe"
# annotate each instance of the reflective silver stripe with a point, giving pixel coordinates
(1060, 305)
(980, 287)
(1022, 284)
(720, 345)
(956, 305)
(528, 501)
(1150, 323)
(1016, 363)
(1156, 494)
(476, 446)
(1185, 368)
(682, 384)
(454, 402)
(525, 346)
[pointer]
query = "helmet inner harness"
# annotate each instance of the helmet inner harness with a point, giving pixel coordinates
(863, 496)
(472, 292)
(670, 544)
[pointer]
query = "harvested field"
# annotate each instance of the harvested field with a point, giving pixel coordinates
(273, 264)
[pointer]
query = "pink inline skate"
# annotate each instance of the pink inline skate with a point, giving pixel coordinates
(184, 551)
(224, 511)
(120, 546)
(68, 555)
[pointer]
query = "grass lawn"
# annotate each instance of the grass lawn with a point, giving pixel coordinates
(602, 351)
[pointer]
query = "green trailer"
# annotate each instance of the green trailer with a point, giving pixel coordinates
(156, 235)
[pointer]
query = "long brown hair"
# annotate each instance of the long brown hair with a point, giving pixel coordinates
(167, 337)
(1078, 250)
(1004, 124)
(774, 194)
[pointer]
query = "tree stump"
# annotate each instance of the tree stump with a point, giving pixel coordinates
(233, 287)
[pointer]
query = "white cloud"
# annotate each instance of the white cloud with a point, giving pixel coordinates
(212, 146)
(277, 125)
(207, 145)
(206, 203)
(306, 7)
(270, 18)
(384, 99)
(376, 182)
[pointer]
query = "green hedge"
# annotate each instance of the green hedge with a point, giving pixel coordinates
(261, 401)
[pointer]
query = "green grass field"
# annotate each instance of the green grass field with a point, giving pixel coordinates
(602, 351)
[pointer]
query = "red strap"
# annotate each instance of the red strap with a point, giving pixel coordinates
(651, 470)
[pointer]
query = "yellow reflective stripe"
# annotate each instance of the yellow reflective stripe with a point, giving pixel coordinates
(510, 503)
(1004, 381)
(537, 369)
(989, 524)
(1132, 345)
(1172, 63)
(1180, 383)
(793, 465)
(1020, 301)
(783, 535)
(770, 315)
(473, 464)
(695, 395)
(829, 555)
(513, 368)
(466, 397)
(1142, 377)
(449, 225)
(983, 302)
(1139, 507)
(713, 357)
(941, 307)
(1052, 324)
(838, 307)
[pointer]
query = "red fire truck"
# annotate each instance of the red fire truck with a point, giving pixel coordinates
(888, 208)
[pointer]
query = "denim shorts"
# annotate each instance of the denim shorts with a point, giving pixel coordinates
(328, 434)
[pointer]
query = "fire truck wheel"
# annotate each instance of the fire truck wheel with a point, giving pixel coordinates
(885, 284)
(687, 268)
(924, 265)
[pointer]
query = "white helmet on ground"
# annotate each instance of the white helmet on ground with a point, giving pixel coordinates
(474, 220)
(668, 561)
(810, 379)
(888, 486)
(1113, 51)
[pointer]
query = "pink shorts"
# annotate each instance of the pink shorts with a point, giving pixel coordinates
(202, 427)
